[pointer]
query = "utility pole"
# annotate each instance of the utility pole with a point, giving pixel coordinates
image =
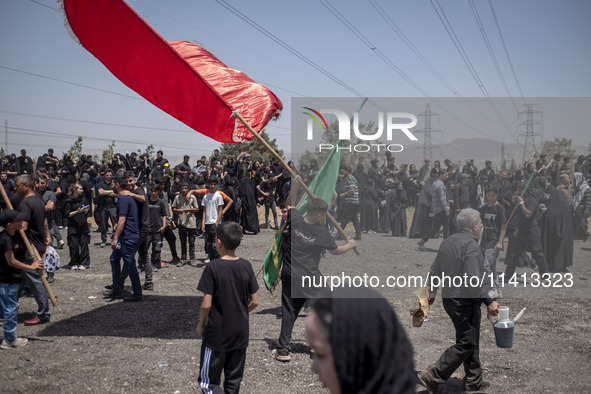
(530, 142)
(6, 135)
(427, 145)
(503, 165)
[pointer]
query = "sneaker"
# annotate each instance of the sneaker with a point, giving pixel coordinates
(18, 342)
(60, 227)
(50, 278)
(483, 384)
(61, 244)
(193, 263)
(163, 265)
(324, 255)
(103, 244)
(134, 298)
(207, 261)
(283, 357)
(181, 263)
(148, 286)
(176, 259)
(357, 238)
(113, 293)
(75, 267)
(421, 246)
(430, 386)
(81, 267)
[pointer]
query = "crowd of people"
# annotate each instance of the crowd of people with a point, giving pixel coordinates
(145, 202)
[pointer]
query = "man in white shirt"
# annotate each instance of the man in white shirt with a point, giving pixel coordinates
(212, 203)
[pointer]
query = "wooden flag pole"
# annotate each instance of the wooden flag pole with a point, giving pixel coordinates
(292, 173)
(29, 249)
(526, 186)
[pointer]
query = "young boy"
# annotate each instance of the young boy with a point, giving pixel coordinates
(495, 224)
(230, 293)
(212, 203)
(157, 210)
(11, 263)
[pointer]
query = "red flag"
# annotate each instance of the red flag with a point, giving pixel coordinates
(181, 78)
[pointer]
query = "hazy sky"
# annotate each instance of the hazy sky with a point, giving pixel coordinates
(52, 89)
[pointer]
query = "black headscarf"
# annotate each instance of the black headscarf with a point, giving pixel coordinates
(372, 353)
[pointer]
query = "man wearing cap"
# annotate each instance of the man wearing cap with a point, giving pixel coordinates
(527, 234)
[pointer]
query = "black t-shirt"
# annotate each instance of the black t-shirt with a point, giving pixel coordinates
(492, 219)
(157, 211)
(34, 211)
(306, 243)
(527, 225)
(10, 274)
(143, 210)
(230, 283)
(77, 224)
(106, 201)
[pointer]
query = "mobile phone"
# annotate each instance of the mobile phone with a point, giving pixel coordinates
(84, 207)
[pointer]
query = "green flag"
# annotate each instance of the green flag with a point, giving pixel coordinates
(322, 186)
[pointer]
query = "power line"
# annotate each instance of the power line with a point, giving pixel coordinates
(71, 83)
(372, 47)
(44, 5)
(289, 48)
(505, 48)
(413, 48)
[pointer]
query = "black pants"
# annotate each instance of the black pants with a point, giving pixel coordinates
(212, 364)
(440, 219)
(107, 214)
(171, 240)
(156, 242)
(466, 320)
(187, 235)
(521, 242)
(290, 309)
(79, 253)
(210, 249)
(350, 214)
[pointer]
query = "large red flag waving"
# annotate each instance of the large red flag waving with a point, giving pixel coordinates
(181, 78)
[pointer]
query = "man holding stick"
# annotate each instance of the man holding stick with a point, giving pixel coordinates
(35, 226)
(302, 243)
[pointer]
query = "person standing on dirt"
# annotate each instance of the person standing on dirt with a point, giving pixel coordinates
(229, 289)
(124, 243)
(303, 241)
(460, 255)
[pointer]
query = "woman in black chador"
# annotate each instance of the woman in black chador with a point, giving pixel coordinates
(369, 207)
(396, 201)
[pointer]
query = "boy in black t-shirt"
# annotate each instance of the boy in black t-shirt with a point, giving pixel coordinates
(495, 224)
(11, 263)
(230, 293)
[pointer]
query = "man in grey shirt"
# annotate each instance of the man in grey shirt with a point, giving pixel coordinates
(439, 210)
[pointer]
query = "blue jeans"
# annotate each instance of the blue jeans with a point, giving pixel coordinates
(490, 265)
(33, 279)
(127, 253)
(9, 305)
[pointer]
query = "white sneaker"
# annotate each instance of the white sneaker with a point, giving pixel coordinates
(207, 261)
(61, 244)
(75, 267)
(81, 267)
(18, 342)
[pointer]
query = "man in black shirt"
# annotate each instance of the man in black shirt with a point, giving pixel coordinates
(495, 225)
(26, 201)
(526, 235)
(107, 207)
(24, 163)
(302, 243)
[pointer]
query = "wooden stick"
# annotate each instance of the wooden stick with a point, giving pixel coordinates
(29, 248)
(292, 173)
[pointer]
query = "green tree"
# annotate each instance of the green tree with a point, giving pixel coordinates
(256, 149)
(75, 150)
(2, 153)
(109, 152)
(559, 145)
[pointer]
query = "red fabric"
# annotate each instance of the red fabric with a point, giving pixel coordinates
(181, 78)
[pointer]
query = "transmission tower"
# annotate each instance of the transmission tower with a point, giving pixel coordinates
(427, 145)
(530, 134)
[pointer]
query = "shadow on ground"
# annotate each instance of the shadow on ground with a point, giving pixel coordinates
(162, 317)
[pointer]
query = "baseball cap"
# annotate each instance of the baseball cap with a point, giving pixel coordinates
(9, 216)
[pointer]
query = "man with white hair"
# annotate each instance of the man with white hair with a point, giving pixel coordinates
(460, 256)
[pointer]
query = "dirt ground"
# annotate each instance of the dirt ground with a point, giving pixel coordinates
(98, 346)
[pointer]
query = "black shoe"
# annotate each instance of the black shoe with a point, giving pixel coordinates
(134, 298)
(483, 384)
(357, 238)
(430, 386)
(148, 286)
(50, 278)
(113, 293)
